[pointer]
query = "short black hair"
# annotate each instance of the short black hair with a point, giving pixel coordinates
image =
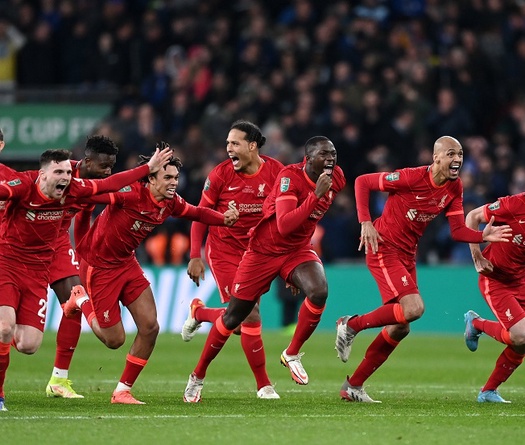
(100, 145)
(253, 132)
(54, 155)
(311, 143)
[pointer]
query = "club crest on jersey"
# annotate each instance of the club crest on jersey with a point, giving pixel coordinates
(125, 189)
(285, 184)
(494, 206)
(14, 182)
(261, 190)
(392, 176)
(207, 184)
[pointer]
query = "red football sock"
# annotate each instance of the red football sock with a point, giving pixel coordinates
(252, 345)
(492, 329)
(4, 364)
(216, 339)
(506, 364)
(375, 356)
(134, 366)
(208, 313)
(67, 339)
(382, 316)
(307, 321)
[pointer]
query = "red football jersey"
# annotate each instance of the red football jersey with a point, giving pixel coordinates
(414, 200)
(248, 191)
(508, 258)
(292, 182)
(32, 221)
(132, 214)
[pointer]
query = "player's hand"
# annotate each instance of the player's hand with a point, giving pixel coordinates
(482, 265)
(231, 215)
(196, 270)
(160, 158)
(369, 237)
(496, 234)
(323, 184)
(294, 290)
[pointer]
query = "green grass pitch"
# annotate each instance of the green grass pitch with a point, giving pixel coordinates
(428, 388)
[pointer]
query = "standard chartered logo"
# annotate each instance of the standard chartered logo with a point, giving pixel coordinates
(173, 292)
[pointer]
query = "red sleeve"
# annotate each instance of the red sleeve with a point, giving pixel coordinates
(289, 216)
(198, 231)
(203, 215)
(5, 192)
(460, 232)
(117, 181)
(106, 198)
(364, 184)
(82, 224)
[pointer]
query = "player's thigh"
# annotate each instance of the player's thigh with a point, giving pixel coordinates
(143, 310)
(304, 270)
(7, 323)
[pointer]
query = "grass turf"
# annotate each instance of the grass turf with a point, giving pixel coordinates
(428, 388)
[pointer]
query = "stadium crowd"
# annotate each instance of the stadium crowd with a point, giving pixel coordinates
(382, 79)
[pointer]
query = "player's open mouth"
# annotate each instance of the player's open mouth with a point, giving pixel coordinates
(60, 187)
(454, 168)
(234, 159)
(328, 169)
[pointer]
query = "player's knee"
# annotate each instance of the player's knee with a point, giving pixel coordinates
(318, 295)
(231, 320)
(150, 329)
(7, 330)
(115, 341)
(518, 340)
(27, 347)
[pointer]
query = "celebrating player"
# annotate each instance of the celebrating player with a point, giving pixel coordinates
(416, 197)
(246, 178)
(28, 235)
(280, 244)
(112, 274)
(501, 282)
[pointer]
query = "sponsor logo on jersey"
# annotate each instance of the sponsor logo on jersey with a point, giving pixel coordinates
(207, 184)
(285, 184)
(125, 189)
(14, 182)
(494, 206)
(392, 176)
(411, 214)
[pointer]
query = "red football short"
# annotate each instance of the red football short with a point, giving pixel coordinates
(25, 290)
(394, 272)
(223, 261)
(106, 287)
(257, 271)
(507, 300)
(65, 262)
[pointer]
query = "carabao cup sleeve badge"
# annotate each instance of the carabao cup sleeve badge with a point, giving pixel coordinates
(285, 184)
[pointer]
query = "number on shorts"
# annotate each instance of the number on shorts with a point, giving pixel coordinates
(42, 311)
(74, 261)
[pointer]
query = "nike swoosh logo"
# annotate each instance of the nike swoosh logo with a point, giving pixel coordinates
(521, 221)
(143, 212)
(257, 350)
(421, 197)
(233, 188)
(215, 347)
(32, 204)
